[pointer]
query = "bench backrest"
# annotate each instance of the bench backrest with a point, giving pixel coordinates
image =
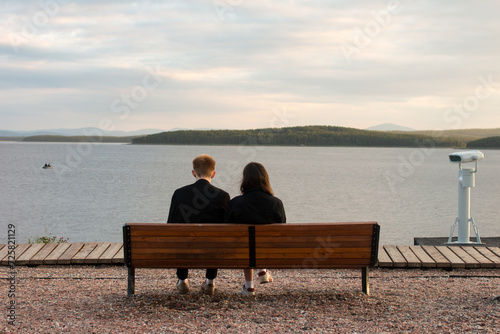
(234, 246)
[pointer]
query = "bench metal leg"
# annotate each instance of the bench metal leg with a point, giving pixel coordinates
(365, 273)
(131, 281)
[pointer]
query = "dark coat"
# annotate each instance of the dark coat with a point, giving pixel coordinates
(255, 207)
(200, 202)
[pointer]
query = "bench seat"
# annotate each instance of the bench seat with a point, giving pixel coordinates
(240, 246)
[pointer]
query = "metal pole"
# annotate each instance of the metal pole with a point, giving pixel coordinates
(463, 207)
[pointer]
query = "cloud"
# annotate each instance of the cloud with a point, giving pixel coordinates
(227, 64)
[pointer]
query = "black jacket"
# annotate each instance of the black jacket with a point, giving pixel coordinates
(200, 202)
(255, 207)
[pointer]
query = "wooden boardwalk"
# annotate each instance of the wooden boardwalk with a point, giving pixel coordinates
(92, 253)
(65, 253)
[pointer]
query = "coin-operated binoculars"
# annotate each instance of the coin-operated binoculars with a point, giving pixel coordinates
(466, 180)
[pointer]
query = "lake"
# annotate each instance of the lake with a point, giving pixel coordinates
(93, 189)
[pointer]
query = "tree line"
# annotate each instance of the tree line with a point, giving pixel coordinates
(78, 139)
(489, 142)
(297, 136)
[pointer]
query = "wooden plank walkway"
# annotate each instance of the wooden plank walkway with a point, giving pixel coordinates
(65, 253)
(389, 256)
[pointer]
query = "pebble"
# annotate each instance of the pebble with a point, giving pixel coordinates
(81, 299)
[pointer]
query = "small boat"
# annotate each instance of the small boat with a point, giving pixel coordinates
(47, 166)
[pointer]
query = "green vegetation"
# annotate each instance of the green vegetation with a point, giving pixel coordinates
(297, 136)
(489, 142)
(47, 240)
(11, 138)
(78, 139)
(465, 135)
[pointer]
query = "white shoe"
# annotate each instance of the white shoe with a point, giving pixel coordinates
(265, 277)
(183, 288)
(247, 292)
(208, 289)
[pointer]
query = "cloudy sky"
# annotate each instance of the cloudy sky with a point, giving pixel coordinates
(239, 64)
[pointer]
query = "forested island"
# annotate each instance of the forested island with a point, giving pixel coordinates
(297, 136)
(489, 142)
(77, 139)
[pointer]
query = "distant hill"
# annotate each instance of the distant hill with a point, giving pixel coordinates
(77, 132)
(465, 135)
(78, 139)
(294, 136)
(389, 127)
(488, 142)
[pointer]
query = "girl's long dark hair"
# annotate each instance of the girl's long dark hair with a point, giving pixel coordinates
(255, 176)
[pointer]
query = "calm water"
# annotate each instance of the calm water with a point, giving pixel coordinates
(93, 189)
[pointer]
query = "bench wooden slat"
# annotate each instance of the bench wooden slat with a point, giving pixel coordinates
(327, 240)
(317, 226)
(309, 250)
(43, 253)
(213, 251)
(29, 253)
(187, 233)
(221, 264)
(311, 263)
(291, 244)
(190, 239)
(320, 240)
(181, 245)
(189, 256)
(322, 256)
(325, 233)
(186, 227)
(316, 250)
(315, 232)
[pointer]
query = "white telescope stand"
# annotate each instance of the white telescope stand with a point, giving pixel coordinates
(466, 180)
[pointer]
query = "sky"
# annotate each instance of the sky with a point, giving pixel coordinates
(240, 64)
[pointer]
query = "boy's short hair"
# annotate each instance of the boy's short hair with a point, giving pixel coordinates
(204, 165)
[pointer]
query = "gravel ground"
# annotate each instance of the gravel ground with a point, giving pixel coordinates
(86, 299)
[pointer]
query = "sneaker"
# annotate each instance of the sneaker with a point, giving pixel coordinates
(247, 292)
(182, 288)
(265, 277)
(208, 289)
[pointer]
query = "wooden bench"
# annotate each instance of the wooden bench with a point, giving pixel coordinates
(239, 246)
